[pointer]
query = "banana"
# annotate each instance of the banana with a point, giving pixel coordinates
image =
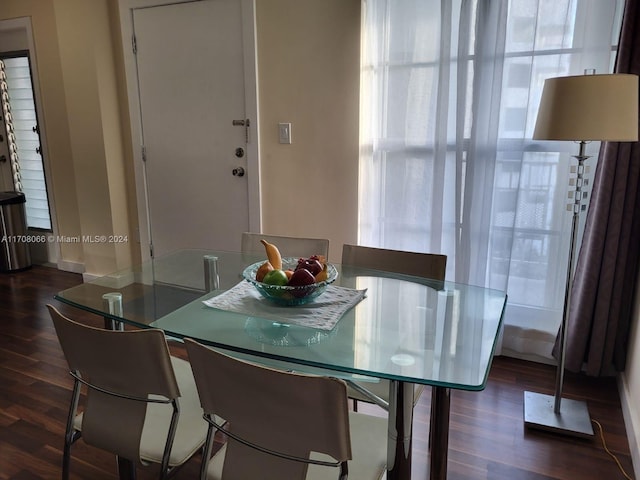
(273, 254)
(323, 275)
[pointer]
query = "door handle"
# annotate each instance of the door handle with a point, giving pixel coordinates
(243, 123)
(238, 172)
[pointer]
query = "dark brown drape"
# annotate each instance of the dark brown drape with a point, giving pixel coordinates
(605, 278)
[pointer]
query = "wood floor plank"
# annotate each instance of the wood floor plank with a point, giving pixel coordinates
(488, 439)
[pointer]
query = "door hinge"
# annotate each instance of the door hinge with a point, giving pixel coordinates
(151, 250)
(134, 44)
(144, 153)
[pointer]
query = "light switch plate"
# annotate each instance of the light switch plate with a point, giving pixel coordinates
(284, 132)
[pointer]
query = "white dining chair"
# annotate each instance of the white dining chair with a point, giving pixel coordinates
(288, 246)
(426, 265)
(141, 403)
(283, 425)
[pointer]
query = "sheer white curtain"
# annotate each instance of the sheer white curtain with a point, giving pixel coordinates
(450, 90)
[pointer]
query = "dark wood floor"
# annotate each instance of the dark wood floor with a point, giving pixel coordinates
(487, 439)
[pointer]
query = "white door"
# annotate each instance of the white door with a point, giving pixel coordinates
(191, 83)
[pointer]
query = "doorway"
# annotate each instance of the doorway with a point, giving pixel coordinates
(193, 92)
(21, 163)
(16, 43)
(22, 155)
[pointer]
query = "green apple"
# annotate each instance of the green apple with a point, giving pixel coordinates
(275, 277)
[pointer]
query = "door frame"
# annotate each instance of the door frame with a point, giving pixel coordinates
(48, 252)
(126, 8)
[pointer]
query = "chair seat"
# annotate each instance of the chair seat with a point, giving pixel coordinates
(369, 450)
(191, 430)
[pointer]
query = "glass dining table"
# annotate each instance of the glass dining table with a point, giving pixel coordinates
(408, 330)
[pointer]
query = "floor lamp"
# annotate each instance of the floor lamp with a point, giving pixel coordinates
(581, 109)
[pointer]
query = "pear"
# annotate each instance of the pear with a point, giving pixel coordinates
(263, 270)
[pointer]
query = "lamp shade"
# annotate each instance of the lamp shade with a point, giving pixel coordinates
(589, 107)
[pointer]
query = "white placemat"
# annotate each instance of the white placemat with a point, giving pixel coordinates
(322, 313)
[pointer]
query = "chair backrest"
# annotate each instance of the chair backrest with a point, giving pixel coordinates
(288, 246)
(118, 367)
(283, 412)
(427, 265)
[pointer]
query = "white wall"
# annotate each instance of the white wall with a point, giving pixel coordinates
(309, 75)
(629, 387)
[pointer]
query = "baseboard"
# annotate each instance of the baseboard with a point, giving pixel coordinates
(88, 277)
(72, 267)
(116, 281)
(631, 420)
(506, 352)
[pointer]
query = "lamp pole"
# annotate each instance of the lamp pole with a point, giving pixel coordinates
(574, 419)
(576, 207)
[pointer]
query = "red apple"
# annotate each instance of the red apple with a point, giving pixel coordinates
(302, 278)
(312, 264)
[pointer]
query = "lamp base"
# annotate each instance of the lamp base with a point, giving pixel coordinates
(573, 418)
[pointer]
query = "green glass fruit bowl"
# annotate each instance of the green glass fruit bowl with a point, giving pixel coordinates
(287, 295)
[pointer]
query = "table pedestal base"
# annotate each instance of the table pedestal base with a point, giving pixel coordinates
(439, 433)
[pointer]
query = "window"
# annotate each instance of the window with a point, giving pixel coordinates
(450, 91)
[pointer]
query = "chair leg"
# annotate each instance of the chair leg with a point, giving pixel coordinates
(126, 469)
(66, 455)
(432, 419)
(66, 460)
(70, 434)
(206, 452)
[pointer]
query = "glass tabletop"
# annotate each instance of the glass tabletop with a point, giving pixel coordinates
(405, 328)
